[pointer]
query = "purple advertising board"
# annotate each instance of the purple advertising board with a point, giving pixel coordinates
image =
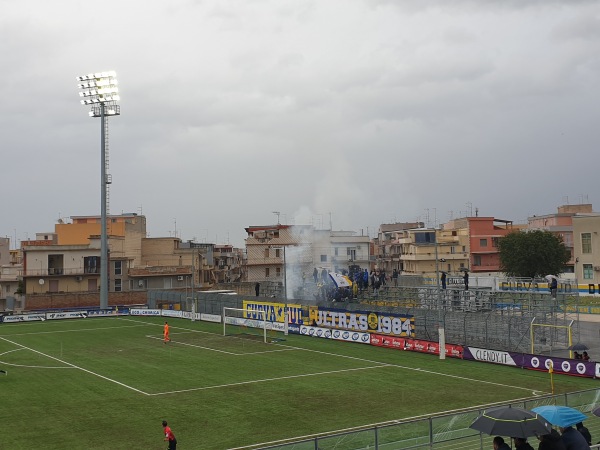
(534, 362)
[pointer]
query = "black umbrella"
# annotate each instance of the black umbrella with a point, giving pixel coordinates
(578, 346)
(513, 422)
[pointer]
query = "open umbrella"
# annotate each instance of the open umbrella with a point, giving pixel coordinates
(596, 411)
(578, 346)
(514, 422)
(550, 278)
(340, 280)
(561, 416)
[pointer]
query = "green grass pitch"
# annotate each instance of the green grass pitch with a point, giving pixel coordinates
(107, 383)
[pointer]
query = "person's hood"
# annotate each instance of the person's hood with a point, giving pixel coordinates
(554, 435)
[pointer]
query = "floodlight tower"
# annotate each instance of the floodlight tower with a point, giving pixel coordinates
(101, 92)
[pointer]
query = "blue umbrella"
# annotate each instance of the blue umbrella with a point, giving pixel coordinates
(561, 416)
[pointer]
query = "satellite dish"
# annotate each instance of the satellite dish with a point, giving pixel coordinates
(41, 281)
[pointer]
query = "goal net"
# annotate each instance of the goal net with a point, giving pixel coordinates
(240, 322)
(255, 323)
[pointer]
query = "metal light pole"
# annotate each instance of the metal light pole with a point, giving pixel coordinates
(441, 331)
(284, 279)
(100, 90)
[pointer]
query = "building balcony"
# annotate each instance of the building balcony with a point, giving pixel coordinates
(154, 271)
(55, 271)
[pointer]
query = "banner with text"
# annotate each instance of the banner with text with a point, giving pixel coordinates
(274, 312)
(415, 345)
(22, 318)
(534, 362)
(363, 321)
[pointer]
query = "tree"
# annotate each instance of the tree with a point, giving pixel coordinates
(532, 253)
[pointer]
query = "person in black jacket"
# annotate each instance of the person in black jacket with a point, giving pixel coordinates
(573, 439)
(584, 431)
(551, 441)
(522, 444)
(499, 444)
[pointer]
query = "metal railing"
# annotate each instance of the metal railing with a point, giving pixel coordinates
(446, 430)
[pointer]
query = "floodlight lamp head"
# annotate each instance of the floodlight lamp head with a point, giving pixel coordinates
(100, 87)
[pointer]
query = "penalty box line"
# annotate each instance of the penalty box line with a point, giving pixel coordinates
(171, 342)
(74, 366)
(264, 380)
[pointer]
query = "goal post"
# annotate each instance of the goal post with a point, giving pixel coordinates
(236, 322)
(549, 335)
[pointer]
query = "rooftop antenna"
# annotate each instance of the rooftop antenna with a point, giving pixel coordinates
(469, 206)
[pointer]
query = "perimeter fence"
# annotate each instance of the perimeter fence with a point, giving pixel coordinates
(478, 317)
(449, 430)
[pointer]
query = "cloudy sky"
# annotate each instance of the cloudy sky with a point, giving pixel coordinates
(359, 111)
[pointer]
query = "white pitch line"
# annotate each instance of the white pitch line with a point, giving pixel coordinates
(221, 351)
(74, 366)
(421, 370)
(241, 383)
(192, 345)
(10, 351)
(35, 367)
(71, 331)
(26, 366)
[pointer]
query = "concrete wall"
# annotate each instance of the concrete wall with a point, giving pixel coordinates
(83, 299)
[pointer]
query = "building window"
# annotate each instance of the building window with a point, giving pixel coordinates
(495, 242)
(351, 253)
(266, 252)
(425, 237)
(336, 251)
(323, 258)
(476, 260)
(278, 272)
(117, 285)
(118, 267)
(452, 250)
(464, 249)
(586, 243)
(277, 254)
(91, 264)
(483, 242)
(267, 270)
(588, 272)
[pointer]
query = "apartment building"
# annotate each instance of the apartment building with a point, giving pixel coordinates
(586, 245)
(169, 263)
(387, 246)
(10, 274)
(228, 262)
(294, 251)
(484, 235)
(464, 244)
(561, 224)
